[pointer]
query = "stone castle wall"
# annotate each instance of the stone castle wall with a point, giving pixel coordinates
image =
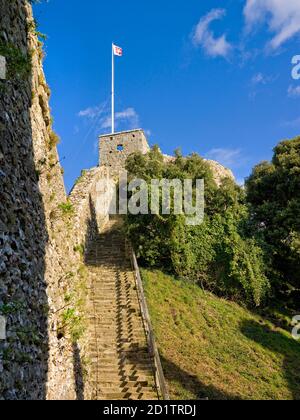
(87, 194)
(114, 149)
(23, 227)
(40, 232)
(43, 233)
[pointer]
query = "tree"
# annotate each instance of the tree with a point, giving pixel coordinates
(217, 254)
(273, 192)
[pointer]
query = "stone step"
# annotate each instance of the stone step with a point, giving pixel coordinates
(112, 376)
(123, 371)
(128, 376)
(125, 384)
(120, 344)
(120, 363)
(128, 396)
(134, 389)
(121, 367)
(123, 364)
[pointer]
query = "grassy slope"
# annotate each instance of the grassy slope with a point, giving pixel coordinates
(216, 349)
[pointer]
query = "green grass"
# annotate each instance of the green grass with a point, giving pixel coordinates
(217, 349)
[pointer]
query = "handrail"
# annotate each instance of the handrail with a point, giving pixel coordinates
(153, 350)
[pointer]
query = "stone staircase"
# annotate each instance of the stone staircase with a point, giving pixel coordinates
(121, 368)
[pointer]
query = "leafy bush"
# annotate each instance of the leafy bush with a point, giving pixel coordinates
(18, 64)
(274, 196)
(72, 322)
(219, 254)
(80, 249)
(67, 208)
(53, 140)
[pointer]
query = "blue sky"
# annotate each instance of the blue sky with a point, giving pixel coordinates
(212, 77)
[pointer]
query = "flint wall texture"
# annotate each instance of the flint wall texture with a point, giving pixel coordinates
(23, 233)
(39, 258)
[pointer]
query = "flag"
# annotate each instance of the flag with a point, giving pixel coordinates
(117, 51)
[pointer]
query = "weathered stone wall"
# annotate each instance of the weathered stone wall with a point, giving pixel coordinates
(86, 196)
(23, 232)
(90, 200)
(36, 243)
(43, 233)
(220, 172)
(114, 149)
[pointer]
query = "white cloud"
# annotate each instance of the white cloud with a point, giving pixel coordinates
(93, 112)
(203, 36)
(101, 117)
(257, 79)
(294, 91)
(227, 157)
(86, 112)
(281, 16)
(89, 112)
(129, 116)
(261, 79)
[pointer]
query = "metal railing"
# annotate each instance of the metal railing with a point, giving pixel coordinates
(153, 350)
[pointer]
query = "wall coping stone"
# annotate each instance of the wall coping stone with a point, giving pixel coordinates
(122, 132)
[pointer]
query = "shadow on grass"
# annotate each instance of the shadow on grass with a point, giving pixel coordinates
(192, 384)
(278, 343)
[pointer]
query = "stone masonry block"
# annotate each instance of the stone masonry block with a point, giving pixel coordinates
(2, 67)
(2, 328)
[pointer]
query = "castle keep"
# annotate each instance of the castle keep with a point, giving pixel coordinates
(114, 149)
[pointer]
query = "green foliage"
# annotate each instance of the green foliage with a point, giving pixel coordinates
(68, 315)
(32, 27)
(18, 64)
(53, 140)
(67, 208)
(73, 317)
(80, 249)
(47, 89)
(12, 307)
(219, 254)
(71, 321)
(274, 196)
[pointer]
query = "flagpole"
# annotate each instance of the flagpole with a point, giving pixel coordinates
(113, 93)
